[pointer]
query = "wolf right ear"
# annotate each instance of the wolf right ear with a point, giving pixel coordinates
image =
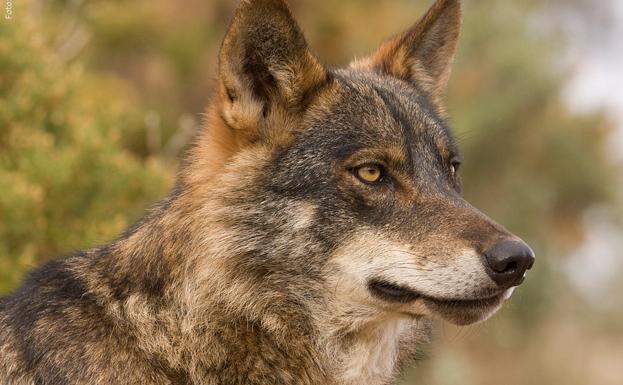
(424, 53)
(265, 68)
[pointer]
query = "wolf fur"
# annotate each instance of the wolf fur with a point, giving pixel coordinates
(271, 262)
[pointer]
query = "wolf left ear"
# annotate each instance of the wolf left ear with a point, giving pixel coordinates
(265, 68)
(424, 53)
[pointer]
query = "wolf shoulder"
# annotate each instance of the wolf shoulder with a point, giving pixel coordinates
(54, 330)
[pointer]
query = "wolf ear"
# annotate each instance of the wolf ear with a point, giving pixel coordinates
(265, 68)
(424, 53)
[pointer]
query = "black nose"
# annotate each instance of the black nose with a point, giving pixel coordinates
(508, 261)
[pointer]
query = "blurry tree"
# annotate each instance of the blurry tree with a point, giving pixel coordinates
(67, 177)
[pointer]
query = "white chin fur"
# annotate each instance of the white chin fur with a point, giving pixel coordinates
(507, 294)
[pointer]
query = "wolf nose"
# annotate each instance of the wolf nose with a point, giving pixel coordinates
(508, 261)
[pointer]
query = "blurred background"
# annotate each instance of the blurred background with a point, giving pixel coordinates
(99, 98)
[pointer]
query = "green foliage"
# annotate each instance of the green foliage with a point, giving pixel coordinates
(67, 178)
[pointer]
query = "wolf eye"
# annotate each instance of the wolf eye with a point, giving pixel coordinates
(454, 167)
(370, 173)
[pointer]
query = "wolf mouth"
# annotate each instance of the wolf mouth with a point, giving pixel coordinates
(466, 303)
(401, 294)
(391, 292)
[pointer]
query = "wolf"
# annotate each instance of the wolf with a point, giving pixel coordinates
(315, 232)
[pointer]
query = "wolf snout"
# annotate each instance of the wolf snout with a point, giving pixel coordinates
(508, 261)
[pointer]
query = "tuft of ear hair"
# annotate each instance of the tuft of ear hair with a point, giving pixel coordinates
(265, 68)
(424, 53)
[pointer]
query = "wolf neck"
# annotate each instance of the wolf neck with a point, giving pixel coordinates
(183, 278)
(173, 287)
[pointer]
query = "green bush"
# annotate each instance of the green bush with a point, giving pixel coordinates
(68, 177)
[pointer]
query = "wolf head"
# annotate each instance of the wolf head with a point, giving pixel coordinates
(340, 188)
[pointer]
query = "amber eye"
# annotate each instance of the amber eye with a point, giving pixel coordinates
(370, 173)
(454, 167)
